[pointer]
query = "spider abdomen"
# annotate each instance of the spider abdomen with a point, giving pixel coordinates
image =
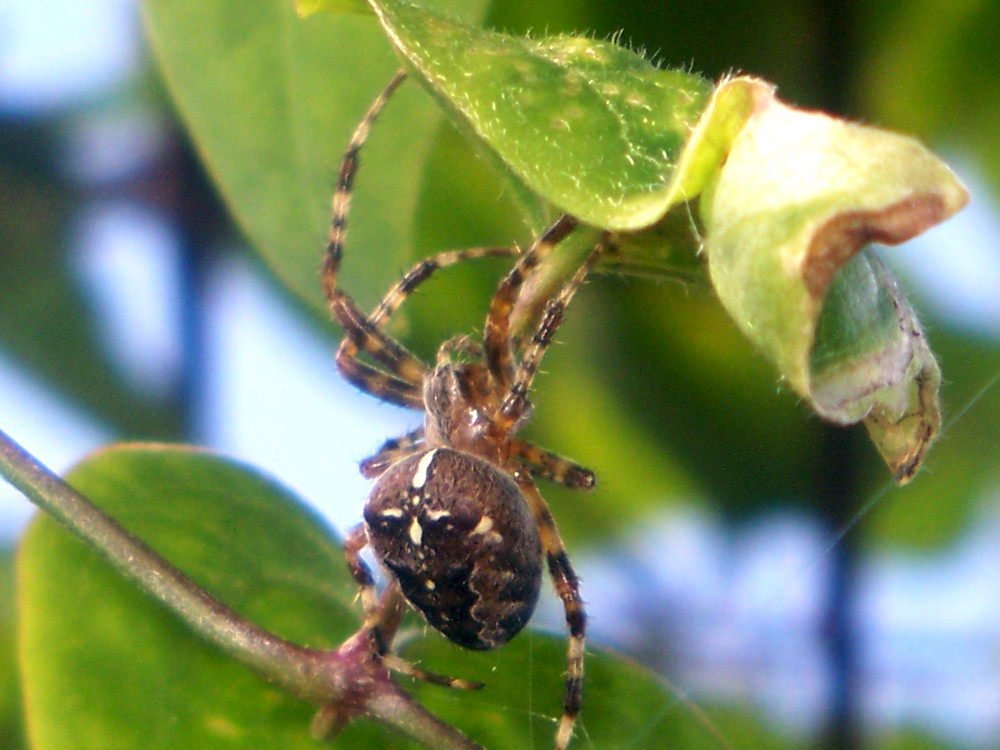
(457, 534)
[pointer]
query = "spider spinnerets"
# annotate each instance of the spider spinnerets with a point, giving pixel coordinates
(455, 516)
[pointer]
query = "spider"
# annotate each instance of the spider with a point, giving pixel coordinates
(455, 517)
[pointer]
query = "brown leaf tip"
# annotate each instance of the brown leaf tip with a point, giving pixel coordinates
(846, 233)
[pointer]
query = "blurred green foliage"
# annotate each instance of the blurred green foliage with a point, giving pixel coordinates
(11, 737)
(49, 325)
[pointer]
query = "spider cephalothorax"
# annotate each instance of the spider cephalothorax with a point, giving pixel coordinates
(455, 517)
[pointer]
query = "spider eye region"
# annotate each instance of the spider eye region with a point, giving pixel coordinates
(458, 536)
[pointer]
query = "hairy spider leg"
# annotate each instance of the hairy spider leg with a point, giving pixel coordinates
(401, 666)
(514, 404)
(564, 579)
(401, 382)
(422, 270)
(418, 273)
(376, 610)
(356, 540)
(391, 451)
(551, 466)
(541, 463)
(567, 586)
(382, 614)
(496, 335)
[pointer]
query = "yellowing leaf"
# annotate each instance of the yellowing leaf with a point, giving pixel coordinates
(799, 196)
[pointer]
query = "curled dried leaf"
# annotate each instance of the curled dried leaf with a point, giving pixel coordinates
(799, 197)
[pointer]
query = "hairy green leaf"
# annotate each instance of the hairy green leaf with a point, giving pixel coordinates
(590, 126)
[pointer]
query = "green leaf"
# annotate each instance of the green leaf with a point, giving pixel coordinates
(962, 472)
(308, 7)
(590, 126)
(270, 100)
(625, 705)
(601, 133)
(107, 667)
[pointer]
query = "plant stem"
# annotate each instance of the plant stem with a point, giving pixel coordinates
(350, 675)
(131, 557)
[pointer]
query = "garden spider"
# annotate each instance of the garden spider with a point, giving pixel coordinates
(454, 516)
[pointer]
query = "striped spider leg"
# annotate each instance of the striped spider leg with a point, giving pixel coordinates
(455, 517)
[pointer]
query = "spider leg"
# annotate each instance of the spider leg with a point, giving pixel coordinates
(402, 383)
(370, 378)
(384, 385)
(380, 347)
(402, 666)
(392, 451)
(382, 616)
(379, 384)
(422, 270)
(392, 607)
(361, 336)
(551, 466)
(459, 346)
(567, 587)
(357, 540)
(496, 336)
(515, 403)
